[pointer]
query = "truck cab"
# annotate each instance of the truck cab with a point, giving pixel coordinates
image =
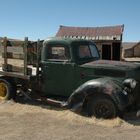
(61, 61)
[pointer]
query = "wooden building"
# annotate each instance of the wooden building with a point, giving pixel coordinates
(108, 39)
(131, 49)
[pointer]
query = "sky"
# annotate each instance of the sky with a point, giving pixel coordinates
(40, 19)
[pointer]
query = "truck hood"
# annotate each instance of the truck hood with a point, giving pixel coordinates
(112, 64)
(114, 68)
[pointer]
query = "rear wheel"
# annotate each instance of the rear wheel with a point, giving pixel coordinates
(6, 90)
(101, 107)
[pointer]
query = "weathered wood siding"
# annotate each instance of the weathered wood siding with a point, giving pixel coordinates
(137, 51)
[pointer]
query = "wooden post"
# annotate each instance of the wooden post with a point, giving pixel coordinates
(5, 53)
(111, 51)
(25, 55)
(38, 56)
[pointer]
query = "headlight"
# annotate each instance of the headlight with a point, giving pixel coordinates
(130, 83)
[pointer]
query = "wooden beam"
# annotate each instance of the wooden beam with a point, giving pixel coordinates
(25, 55)
(38, 56)
(5, 53)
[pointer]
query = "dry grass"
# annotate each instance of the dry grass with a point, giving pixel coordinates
(68, 115)
(34, 122)
(77, 118)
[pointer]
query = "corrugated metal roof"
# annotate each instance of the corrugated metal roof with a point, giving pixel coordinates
(92, 32)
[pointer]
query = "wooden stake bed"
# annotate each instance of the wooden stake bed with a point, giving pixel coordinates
(11, 70)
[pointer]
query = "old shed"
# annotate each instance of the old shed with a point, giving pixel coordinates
(131, 49)
(108, 39)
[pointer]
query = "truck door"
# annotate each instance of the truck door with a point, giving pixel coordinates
(57, 71)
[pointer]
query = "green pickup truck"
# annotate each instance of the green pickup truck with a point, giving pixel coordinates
(70, 71)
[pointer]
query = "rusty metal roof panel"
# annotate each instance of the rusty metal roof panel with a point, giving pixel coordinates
(95, 32)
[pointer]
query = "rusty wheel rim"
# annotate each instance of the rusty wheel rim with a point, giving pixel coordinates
(102, 110)
(3, 91)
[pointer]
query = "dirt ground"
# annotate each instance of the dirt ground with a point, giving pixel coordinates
(20, 121)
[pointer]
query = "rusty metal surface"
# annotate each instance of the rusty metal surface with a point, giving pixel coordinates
(98, 33)
(105, 86)
(111, 63)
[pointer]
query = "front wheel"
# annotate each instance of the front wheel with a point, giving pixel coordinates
(6, 90)
(101, 107)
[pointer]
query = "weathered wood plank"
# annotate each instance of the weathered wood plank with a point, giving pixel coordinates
(5, 54)
(12, 49)
(25, 55)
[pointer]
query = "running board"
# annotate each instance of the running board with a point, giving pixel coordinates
(56, 102)
(50, 101)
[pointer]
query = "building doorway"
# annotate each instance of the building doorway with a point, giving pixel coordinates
(111, 52)
(116, 51)
(106, 52)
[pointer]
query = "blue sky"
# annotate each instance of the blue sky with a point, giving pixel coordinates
(42, 18)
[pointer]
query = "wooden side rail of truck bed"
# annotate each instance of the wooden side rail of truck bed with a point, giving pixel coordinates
(22, 70)
(10, 67)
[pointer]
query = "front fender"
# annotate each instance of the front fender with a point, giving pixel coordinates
(100, 86)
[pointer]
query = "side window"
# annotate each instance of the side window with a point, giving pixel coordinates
(58, 52)
(94, 51)
(84, 51)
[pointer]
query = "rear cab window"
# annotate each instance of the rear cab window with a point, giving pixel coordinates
(58, 53)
